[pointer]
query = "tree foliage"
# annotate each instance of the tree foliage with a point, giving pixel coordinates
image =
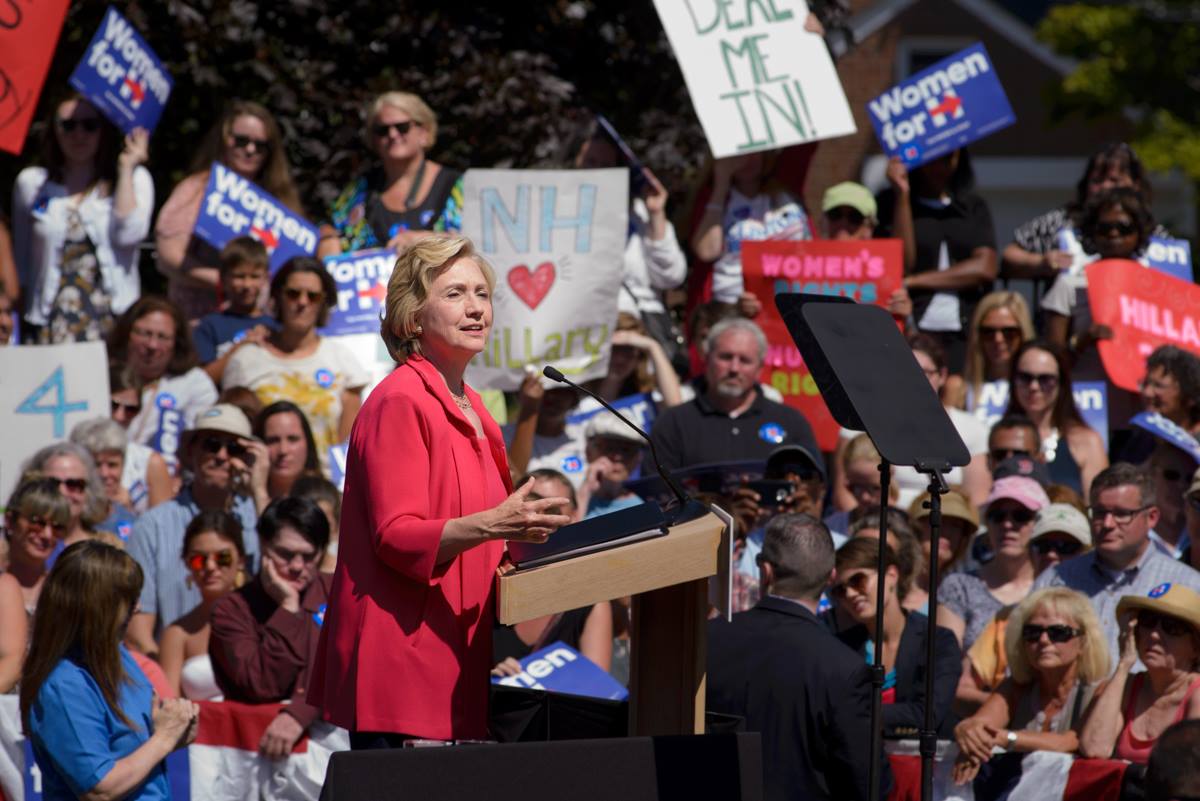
(1141, 56)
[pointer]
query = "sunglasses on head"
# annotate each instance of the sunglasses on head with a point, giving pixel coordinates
(250, 144)
(1045, 381)
(382, 129)
(846, 214)
(858, 582)
(1117, 228)
(1171, 626)
(130, 408)
(1018, 516)
(73, 484)
(235, 449)
(88, 125)
(1045, 545)
(1006, 331)
(198, 561)
(1057, 633)
(291, 293)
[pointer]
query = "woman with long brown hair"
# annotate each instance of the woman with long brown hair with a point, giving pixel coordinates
(90, 713)
(247, 140)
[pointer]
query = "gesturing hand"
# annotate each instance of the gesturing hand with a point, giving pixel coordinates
(524, 520)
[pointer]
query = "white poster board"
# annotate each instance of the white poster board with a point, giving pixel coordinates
(45, 392)
(557, 241)
(757, 78)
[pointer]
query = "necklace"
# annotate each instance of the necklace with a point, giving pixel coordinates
(460, 399)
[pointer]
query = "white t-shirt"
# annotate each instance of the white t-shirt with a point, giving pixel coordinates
(753, 219)
(314, 383)
(133, 476)
(565, 453)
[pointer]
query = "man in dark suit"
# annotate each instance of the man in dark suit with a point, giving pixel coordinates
(779, 668)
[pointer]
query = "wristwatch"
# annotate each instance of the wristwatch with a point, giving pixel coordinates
(1010, 740)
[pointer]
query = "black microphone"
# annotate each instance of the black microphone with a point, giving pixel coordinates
(554, 375)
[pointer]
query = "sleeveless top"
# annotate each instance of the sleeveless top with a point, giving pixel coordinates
(1135, 749)
(198, 681)
(1063, 469)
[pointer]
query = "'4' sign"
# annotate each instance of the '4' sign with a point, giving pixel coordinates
(60, 407)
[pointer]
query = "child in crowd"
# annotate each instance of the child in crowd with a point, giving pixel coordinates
(243, 264)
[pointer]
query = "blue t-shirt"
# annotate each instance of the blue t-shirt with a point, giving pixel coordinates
(77, 738)
(224, 328)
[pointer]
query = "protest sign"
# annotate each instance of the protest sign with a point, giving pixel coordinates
(560, 668)
(361, 279)
(233, 206)
(866, 271)
(46, 391)
(1171, 256)
(556, 239)
(1169, 432)
(28, 36)
(758, 80)
(121, 76)
(1091, 398)
(1145, 309)
(942, 108)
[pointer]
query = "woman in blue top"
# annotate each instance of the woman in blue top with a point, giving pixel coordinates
(98, 731)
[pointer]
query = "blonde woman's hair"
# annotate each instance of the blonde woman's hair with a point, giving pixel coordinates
(860, 449)
(411, 105)
(408, 288)
(973, 370)
(1093, 662)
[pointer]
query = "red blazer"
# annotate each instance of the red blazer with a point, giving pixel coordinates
(407, 644)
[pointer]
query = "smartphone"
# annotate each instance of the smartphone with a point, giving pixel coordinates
(772, 492)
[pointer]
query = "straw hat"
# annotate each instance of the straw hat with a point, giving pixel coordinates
(1167, 598)
(954, 504)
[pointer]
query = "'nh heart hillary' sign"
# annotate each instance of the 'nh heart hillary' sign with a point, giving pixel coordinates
(556, 239)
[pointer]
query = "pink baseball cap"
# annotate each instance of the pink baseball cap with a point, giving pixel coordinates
(1021, 489)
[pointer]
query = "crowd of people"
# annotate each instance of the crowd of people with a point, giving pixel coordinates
(192, 545)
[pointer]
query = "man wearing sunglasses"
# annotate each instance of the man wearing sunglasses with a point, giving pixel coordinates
(1123, 508)
(1172, 470)
(227, 467)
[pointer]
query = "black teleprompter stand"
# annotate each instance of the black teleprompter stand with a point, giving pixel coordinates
(870, 381)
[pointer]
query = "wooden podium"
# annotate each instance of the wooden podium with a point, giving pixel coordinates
(668, 578)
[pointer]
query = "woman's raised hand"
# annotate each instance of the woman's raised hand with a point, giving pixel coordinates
(524, 520)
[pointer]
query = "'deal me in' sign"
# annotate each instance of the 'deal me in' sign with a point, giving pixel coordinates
(757, 78)
(951, 104)
(120, 75)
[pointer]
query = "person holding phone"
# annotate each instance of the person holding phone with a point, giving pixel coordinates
(228, 466)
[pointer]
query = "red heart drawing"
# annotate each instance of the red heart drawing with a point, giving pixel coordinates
(531, 287)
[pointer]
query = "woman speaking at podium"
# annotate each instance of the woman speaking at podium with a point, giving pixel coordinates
(406, 645)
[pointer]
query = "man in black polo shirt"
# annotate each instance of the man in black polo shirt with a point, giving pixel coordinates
(729, 419)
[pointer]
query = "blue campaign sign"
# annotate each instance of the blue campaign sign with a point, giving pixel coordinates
(560, 668)
(640, 409)
(120, 75)
(1171, 256)
(1169, 432)
(951, 104)
(361, 279)
(1091, 398)
(233, 206)
(337, 464)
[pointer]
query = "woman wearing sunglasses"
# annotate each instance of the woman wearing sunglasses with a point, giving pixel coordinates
(1000, 324)
(215, 557)
(904, 637)
(247, 140)
(77, 222)
(295, 363)
(403, 198)
(73, 470)
(1040, 389)
(1162, 630)
(1057, 653)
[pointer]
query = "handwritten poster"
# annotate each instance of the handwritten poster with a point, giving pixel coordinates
(865, 271)
(556, 239)
(28, 36)
(758, 80)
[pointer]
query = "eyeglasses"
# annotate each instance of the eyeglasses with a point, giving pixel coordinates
(250, 144)
(198, 561)
(151, 336)
(1045, 545)
(383, 129)
(287, 557)
(1009, 332)
(1114, 228)
(858, 582)
(1000, 454)
(846, 214)
(314, 296)
(1170, 626)
(1046, 381)
(88, 125)
(235, 449)
(1122, 517)
(73, 484)
(1019, 517)
(128, 408)
(1057, 633)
